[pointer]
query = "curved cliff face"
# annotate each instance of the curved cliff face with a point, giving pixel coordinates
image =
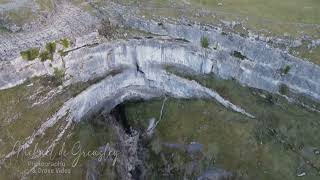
(262, 64)
(140, 65)
(128, 85)
(252, 62)
(90, 62)
(267, 75)
(139, 68)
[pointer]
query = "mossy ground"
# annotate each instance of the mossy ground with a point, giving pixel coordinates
(276, 145)
(277, 17)
(19, 119)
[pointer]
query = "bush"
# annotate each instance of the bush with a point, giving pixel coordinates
(239, 55)
(106, 29)
(204, 42)
(286, 69)
(51, 47)
(44, 56)
(65, 43)
(224, 33)
(30, 54)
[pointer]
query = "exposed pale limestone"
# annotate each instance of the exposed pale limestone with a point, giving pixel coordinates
(91, 62)
(127, 85)
(66, 22)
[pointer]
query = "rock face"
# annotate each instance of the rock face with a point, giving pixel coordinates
(66, 21)
(260, 68)
(140, 64)
(253, 63)
(136, 68)
(88, 63)
(302, 77)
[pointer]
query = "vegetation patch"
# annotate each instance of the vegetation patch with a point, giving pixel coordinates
(33, 53)
(30, 54)
(65, 43)
(283, 89)
(239, 55)
(204, 42)
(58, 75)
(44, 56)
(51, 47)
(286, 69)
(62, 52)
(4, 29)
(233, 141)
(224, 33)
(106, 29)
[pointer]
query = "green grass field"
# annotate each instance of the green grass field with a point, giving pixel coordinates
(276, 145)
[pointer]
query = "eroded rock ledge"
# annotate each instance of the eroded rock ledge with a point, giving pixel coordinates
(89, 62)
(140, 66)
(258, 66)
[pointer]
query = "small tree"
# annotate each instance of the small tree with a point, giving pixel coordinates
(51, 47)
(65, 43)
(204, 42)
(286, 69)
(239, 55)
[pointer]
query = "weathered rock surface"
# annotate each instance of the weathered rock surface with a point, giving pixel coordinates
(92, 62)
(66, 21)
(140, 64)
(136, 68)
(261, 66)
(303, 76)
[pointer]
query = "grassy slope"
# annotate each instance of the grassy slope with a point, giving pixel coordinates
(245, 146)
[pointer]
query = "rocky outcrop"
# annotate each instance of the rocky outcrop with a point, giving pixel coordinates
(302, 77)
(90, 62)
(136, 68)
(114, 90)
(251, 62)
(261, 67)
(66, 21)
(139, 66)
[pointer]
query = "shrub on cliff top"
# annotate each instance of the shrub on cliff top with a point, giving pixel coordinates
(30, 54)
(239, 55)
(286, 69)
(51, 47)
(204, 42)
(65, 43)
(44, 56)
